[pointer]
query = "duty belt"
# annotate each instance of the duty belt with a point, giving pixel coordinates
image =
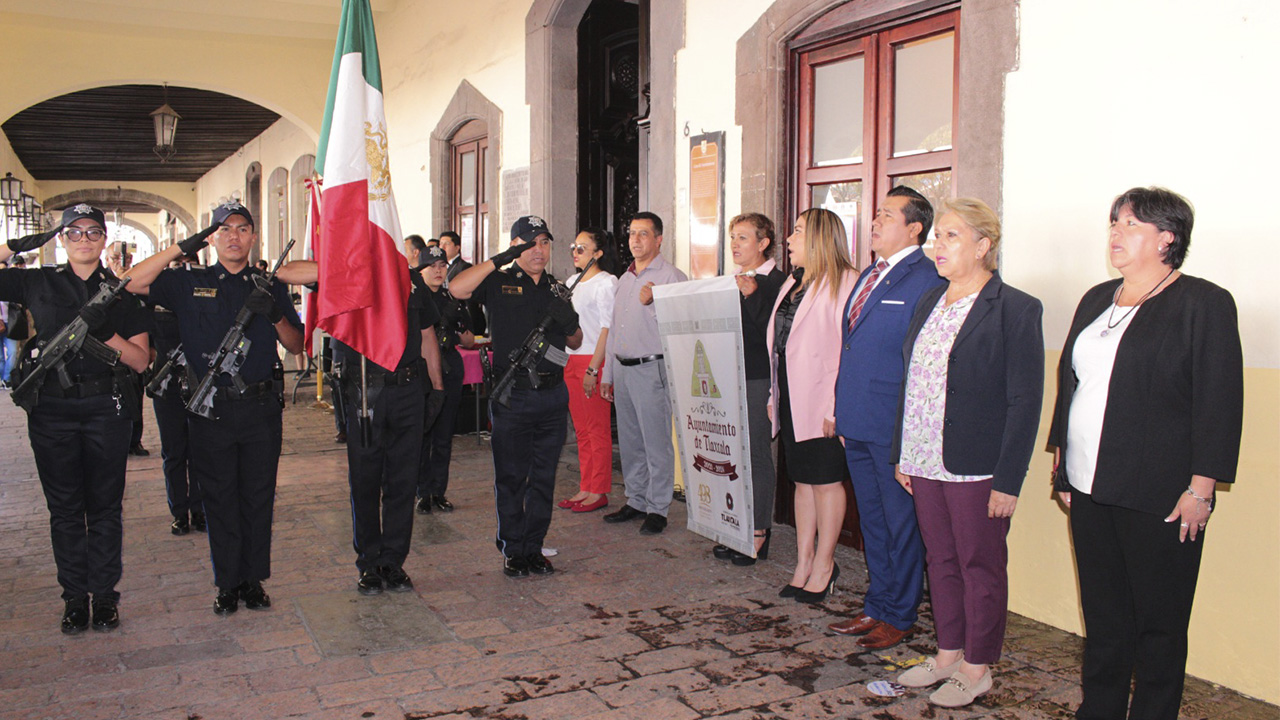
(546, 380)
(81, 387)
(632, 362)
(252, 390)
(403, 376)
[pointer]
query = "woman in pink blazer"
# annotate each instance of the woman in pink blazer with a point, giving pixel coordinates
(804, 352)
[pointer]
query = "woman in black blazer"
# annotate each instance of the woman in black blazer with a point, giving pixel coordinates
(1148, 418)
(969, 410)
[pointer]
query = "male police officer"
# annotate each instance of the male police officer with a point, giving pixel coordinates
(234, 456)
(528, 434)
(384, 446)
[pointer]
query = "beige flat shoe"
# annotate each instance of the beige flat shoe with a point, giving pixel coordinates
(928, 673)
(959, 691)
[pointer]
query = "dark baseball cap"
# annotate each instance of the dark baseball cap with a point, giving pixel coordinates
(227, 209)
(432, 255)
(529, 227)
(83, 211)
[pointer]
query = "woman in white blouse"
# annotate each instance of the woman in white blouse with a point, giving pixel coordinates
(593, 300)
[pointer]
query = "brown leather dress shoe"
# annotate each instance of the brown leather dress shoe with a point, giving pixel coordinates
(884, 636)
(860, 625)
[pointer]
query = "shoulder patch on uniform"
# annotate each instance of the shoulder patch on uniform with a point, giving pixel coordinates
(204, 292)
(512, 290)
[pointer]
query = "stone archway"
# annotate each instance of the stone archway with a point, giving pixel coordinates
(467, 104)
(551, 89)
(988, 50)
(108, 197)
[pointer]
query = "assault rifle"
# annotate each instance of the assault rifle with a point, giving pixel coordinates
(525, 358)
(174, 368)
(72, 338)
(234, 349)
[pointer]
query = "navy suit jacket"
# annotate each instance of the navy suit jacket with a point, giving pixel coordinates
(871, 354)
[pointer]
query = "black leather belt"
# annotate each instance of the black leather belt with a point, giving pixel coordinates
(251, 391)
(81, 387)
(632, 362)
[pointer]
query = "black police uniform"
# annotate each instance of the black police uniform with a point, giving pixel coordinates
(79, 434)
(437, 447)
(233, 457)
(528, 436)
(181, 487)
(383, 474)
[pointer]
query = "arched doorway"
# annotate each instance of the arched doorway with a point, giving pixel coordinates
(276, 221)
(304, 168)
(253, 201)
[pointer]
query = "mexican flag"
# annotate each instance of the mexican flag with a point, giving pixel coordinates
(364, 279)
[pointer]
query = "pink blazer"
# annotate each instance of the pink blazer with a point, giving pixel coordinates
(813, 356)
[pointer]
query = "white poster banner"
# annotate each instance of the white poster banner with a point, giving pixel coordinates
(700, 323)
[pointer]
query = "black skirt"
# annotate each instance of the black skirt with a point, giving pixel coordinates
(819, 461)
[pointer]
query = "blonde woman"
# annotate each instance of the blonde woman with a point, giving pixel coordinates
(968, 413)
(804, 355)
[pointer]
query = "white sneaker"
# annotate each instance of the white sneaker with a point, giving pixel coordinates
(928, 673)
(959, 691)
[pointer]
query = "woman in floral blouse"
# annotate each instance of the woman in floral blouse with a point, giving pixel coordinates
(970, 407)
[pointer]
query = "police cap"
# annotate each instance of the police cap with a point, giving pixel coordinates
(432, 255)
(227, 209)
(529, 227)
(84, 211)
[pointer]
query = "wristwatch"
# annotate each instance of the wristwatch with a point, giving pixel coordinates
(592, 371)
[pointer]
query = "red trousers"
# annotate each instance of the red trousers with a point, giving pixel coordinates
(591, 423)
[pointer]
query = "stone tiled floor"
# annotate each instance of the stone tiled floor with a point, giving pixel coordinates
(630, 627)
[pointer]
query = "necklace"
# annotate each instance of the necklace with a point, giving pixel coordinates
(1112, 323)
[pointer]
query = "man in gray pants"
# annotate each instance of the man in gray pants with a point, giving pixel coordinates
(635, 379)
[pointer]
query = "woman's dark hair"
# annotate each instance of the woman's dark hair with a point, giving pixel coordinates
(603, 240)
(1168, 211)
(764, 229)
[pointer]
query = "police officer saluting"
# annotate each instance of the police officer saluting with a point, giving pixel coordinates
(79, 428)
(529, 433)
(235, 454)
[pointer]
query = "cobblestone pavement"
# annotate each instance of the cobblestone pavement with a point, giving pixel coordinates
(629, 626)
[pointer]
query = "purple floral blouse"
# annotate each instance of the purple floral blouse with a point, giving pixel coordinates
(925, 404)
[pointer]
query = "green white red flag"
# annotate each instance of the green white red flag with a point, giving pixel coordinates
(364, 279)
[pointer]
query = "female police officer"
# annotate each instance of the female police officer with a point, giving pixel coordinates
(79, 429)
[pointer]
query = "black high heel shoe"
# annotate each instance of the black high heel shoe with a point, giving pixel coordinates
(762, 554)
(789, 591)
(813, 598)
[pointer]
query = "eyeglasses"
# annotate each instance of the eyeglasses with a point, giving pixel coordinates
(78, 235)
(241, 229)
(577, 249)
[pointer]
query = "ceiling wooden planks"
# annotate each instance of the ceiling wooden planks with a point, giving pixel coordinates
(107, 133)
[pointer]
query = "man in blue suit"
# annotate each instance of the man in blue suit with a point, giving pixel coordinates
(871, 370)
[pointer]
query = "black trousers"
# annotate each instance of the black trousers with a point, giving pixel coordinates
(81, 447)
(437, 447)
(180, 486)
(234, 459)
(527, 440)
(384, 474)
(1137, 583)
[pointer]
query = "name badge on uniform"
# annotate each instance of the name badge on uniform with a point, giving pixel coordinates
(203, 292)
(512, 290)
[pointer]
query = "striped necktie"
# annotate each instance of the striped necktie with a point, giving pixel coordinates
(865, 292)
